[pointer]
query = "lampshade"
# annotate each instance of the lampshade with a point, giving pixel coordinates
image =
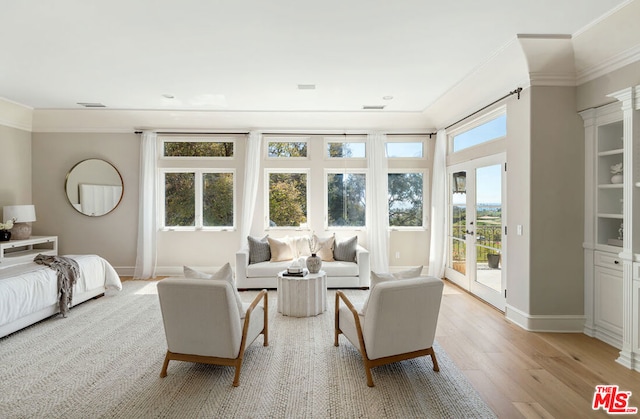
(22, 213)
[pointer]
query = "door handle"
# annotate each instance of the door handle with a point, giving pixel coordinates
(469, 232)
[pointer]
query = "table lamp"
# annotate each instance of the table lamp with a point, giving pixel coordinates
(24, 215)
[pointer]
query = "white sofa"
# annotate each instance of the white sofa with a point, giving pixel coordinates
(340, 274)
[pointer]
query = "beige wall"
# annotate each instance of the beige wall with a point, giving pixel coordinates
(594, 93)
(112, 236)
(557, 203)
(15, 170)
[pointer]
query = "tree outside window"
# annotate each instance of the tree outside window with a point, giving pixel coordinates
(287, 199)
(285, 149)
(198, 148)
(406, 199)
(346, 199)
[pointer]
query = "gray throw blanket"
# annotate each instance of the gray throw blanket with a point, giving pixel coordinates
(68, 271)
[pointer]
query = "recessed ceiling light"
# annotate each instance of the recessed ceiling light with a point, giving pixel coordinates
(306, 87)
(388, 97)
(373, 107)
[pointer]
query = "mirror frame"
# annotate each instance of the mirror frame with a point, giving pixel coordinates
(66, 184)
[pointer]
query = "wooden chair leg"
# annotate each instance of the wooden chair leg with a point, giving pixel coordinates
(236, 378)
(163, 373)
(367, 370)
(434, 360)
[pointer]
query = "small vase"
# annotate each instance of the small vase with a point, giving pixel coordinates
(314, 263)
(5, 235)
(618, 178)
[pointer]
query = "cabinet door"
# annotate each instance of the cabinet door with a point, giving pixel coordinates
(608, 299)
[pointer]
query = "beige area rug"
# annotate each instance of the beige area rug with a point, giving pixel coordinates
(104, 360)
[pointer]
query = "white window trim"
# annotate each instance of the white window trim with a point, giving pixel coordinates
(426, 195)
(267, 172)
(408, 139)
(474, 123)
(343, 139)
(285, 139)
(328, 171)
(177, 139)
(199, 172)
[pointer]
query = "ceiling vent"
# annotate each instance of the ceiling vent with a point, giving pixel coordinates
(373, 107)
(91, 104)
(306, 87)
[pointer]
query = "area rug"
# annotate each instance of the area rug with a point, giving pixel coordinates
(104, 360)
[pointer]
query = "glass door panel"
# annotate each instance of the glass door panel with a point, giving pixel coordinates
(488, 232)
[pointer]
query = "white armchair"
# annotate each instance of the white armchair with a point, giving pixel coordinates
(202, 322)
(399, 322)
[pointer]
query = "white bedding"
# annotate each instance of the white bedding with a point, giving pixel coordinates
(28, 288)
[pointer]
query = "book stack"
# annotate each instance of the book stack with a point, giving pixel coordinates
(295, 269)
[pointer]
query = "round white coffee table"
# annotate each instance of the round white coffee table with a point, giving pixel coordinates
(302, 296)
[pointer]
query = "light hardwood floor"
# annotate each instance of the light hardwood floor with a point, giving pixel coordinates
(524, 374)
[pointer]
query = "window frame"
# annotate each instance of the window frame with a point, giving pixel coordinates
(267, 172)
(198, 191)
(285, 139)
(482, 120)
(325, 181)
(195, 139)
(344, 139)
(407, 139)
(425, 198)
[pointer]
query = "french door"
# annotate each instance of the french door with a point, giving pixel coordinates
(476, 239)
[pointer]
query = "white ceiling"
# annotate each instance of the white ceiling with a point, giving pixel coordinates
(250, 55)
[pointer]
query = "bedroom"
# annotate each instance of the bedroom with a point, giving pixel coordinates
(46, 143)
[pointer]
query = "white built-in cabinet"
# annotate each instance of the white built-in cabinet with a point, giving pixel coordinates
(611, 239)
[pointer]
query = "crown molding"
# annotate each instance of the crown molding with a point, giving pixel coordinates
(613, 63)
(552, 79)
(15, 115)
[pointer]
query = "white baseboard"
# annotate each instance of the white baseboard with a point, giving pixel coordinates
(545, 323)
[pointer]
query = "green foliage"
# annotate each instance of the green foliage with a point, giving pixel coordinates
(287, 149)
(198, 149)
(346, 199)
(287, 199)
(180, 201)
(405, 199)
(217, 199)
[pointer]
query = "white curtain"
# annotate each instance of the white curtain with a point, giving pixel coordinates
(438, 248)
(251, 179)
(146, 257)
(378, 202)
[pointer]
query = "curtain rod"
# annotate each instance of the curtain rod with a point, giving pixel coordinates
(194, 133)
(514, 92)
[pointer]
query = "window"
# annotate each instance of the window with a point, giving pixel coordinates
(406, 199)
(413, 149)
(287, 198)
(196, 199)
(495, 128)
(346, 199)
(197, 147)
(287, 148)
(352, 149)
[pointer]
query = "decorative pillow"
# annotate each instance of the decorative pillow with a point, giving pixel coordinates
(299, 246)
(259, 250)
(326, 251)
(223, 274)
(346, 250)
(280, 250)
(409, 273)
(375, 280)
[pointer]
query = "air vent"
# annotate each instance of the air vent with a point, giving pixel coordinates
(91, 104)
(306, 87)
(373, 107)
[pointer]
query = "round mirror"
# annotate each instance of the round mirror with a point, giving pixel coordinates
(94, 187)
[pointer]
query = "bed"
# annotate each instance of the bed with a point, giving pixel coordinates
(29, 291)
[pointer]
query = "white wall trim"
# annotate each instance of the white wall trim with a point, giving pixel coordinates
(15, 115)
(552, 79)
(545, 323)
(613, 63)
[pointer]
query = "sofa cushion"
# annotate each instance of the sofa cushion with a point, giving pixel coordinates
(259, 250)
(340, 268)
(326, 251)
(346, 249)
(280, 250)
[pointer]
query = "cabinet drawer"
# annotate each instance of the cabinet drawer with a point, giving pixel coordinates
(608, 260)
